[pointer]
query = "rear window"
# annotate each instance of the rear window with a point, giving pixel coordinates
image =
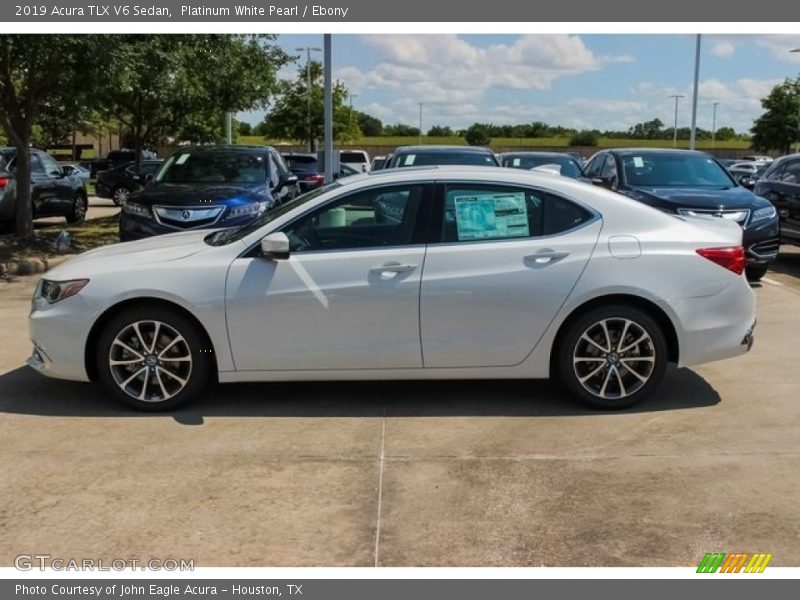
(444, 158)
(301, 163)
(569, 168)
(352, 157)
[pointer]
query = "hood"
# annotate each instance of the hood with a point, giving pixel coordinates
(709, 198)
(193, 194)
(157, 249)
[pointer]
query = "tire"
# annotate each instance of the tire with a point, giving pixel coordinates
(755, 272)
(78, 213)
(120, 194)
(607, 368)
(175, 370)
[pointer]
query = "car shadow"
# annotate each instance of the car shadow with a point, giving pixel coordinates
(788, 263)
(23, 391)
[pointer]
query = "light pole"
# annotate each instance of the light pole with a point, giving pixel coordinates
(675, 126)
(798, 109)
(692, 135)
(308, 50)
(714, 126)
(420, 122)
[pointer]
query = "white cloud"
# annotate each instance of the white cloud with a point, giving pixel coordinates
(723, 49)
(778, 45)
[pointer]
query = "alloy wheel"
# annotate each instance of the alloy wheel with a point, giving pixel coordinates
(614, 358)
(150, 361)
(121, 195)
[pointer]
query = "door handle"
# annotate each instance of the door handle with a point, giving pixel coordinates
(546, 256)
(389, 269)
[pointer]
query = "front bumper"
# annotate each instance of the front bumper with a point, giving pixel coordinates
(762, 241)
(134, 227)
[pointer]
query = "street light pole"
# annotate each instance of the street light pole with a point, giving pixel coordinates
(308, 50)
(693, 134)
(328, 116)
(675, 126)
(714, 126)
(798, 109)
(420, 122)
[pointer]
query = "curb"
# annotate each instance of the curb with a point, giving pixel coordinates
(31, 266)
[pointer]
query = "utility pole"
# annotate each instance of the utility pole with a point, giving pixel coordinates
(328, 110)
(798, 110)
(693, 135)
(308, 50)
(714, 126)
(675, 126)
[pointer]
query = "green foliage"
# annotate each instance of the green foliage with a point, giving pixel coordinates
(477, 134)
(779, 126)
(440, 131)
(244, 128)
(368, 124)
(584, 138)
(401, 130)
(298, 112)
(725, 133)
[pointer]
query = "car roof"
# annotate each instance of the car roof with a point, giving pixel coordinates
(639, 151)
(220, 147)
(443, 148)
(300, 154)
(535, 153)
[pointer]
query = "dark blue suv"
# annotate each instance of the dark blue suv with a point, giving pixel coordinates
(691, 183)
(204, 187)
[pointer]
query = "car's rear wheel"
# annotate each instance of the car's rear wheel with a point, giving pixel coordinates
(755, 272)
(153, 358)
(77, 213)
(120, 195)
(612, 357)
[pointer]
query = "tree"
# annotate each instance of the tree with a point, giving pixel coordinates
(289, 117)
(779, 126)
(477, 134)
(401, 130)
(725, 133)
(440, 131)
(584, 138)
(181, 86)
(649, 130)
(369, 125)
(244, 128)
(43, 75)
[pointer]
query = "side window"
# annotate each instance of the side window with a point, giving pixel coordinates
(274, 171)
(610, 169)
(36, 164)
(791, 174)
(369, 219)
(50, 164)
(483, 213)
(594, 166)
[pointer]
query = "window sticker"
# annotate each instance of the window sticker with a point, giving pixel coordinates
(182, 158)
(487, 216)
(410, 158)
(517, 162)
(638, 162)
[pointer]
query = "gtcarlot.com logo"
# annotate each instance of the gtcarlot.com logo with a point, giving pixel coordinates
(738, 562)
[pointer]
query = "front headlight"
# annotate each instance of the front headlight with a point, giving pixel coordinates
(133, 208)
(768, 212)
(54, 291)
(253, 210)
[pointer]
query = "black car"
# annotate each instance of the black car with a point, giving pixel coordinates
(530, 160)
(310, 172)
(780, 184)
(119, 182)
(54, 192)
(418, 156)
(114, 159)
(694, 184)
(202, 187)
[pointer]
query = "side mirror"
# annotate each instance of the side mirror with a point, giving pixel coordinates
(67, 170)
(275, 246)
(147, 178)
(602, 182)
(290, 180)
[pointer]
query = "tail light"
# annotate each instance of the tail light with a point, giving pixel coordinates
(731, 257)
(317, 179)
(3, 182)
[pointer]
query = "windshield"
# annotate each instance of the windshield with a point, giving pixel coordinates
(445, 158)
(569, 168)
(352, 157)
(674, 170)
(226, 236)
(218, 166)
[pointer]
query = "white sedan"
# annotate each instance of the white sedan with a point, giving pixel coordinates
(419, 273)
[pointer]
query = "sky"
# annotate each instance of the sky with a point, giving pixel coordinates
(607, 82)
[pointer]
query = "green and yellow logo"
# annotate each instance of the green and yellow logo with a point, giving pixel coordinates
(738, 562)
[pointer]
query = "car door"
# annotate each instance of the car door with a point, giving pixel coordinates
(44, 194)
(63, 186)
(348, 295)
(785, 195)
(506, 260)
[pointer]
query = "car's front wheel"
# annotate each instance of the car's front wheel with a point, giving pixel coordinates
(120, 195)
(77, 213)
(755, 272)
(612, 357)
(153, 358)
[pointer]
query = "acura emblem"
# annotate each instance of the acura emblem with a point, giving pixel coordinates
(185, 214)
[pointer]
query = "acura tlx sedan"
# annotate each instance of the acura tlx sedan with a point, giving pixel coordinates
(417, 273)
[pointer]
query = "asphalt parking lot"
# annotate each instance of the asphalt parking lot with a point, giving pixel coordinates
(414, 473)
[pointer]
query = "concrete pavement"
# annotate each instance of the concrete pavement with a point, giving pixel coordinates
(411, 473)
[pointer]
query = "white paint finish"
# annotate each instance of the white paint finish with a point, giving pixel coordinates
(624, 246)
